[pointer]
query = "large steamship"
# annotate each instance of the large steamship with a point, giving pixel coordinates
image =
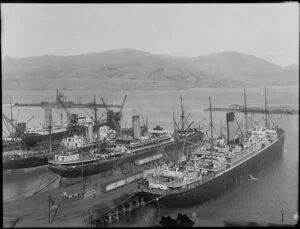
(215, 166)
(125, 150)
(32, 148)
(135, 150)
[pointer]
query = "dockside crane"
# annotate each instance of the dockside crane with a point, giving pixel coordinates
(114, 118)
(96, 122)
(109, 117)
(120, 113)
(29, 119)
(145, 125)
(59, 97)
(9, 122)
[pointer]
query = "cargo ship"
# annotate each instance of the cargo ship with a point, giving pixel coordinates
(35, 135)
(27, 148)
(119, 152)
(216, 166)
(125, 151)
(29, 138)
(21, 158)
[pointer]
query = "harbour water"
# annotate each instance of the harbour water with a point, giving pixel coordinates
(261, 200)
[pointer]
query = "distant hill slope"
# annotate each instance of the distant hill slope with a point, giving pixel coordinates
(128, 69)
(238, 66)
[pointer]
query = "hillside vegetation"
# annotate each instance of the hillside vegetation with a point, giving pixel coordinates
(129, 69)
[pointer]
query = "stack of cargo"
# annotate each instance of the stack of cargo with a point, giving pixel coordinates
(121, 182)
(148, 159)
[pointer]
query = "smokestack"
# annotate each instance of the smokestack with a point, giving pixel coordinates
(48, 117)
(136, 126)
(90, 131)
(230, 127)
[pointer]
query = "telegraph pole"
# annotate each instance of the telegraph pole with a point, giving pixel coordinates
(49, 203)
(282, 216)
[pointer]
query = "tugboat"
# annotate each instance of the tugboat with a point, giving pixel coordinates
(216, 165)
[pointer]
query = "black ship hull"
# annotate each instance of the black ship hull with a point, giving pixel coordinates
(22, 163)
(224, 182)
(34, 161)
(32, 140)
(32, 143)
(105, 166)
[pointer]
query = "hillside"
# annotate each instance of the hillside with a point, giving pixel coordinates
(238, 66)
(128, 69)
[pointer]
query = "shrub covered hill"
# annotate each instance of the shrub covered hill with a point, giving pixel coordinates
(128, 69)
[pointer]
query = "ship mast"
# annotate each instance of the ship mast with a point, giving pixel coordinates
(50, 147)
(175, 133)
(182, 115)
(11, 118)
(211, 126)
(246, 119)
(266, 110)
(96, 120)
(221, 130)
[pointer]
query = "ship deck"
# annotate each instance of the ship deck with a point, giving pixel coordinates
(182, 187)
(86, 158)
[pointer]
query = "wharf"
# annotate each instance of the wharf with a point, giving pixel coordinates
(271, 109)
(67, 105)
(33, 210)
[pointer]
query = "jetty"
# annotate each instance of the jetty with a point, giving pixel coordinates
(68, 105)
(75, 204)
(61, 101)
(256, 108)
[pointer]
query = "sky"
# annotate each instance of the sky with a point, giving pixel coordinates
(269, 31)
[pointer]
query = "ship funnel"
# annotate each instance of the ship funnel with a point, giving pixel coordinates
(136, 126)
(90, 131)
(230, 127)
(48, 117)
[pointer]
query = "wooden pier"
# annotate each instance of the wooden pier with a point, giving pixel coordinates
(134, 202)
(67, 105)
(65, 206)
(272, 109)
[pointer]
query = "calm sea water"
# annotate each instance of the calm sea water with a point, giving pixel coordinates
(258, 200)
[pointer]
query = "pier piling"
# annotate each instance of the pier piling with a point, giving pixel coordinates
(109, 218)
(130, 206)
(142, 201)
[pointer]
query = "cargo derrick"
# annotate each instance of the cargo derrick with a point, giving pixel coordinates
(72, 119)
(215, 165)
(16, 130)
(183, 129)
(114, 119)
